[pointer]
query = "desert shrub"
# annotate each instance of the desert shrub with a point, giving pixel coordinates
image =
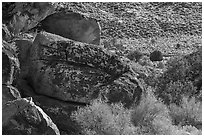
(175, 90)
(135, 55)
(145, 61)
(189, 112)
(194, 72)
(103, 119)
(152, 116)
(180, 72)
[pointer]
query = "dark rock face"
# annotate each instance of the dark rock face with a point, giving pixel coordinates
(73, 26)
(156, 56)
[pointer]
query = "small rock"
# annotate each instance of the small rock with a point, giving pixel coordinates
(156, 56)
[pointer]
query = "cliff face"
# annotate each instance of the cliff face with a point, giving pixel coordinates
(53, 63)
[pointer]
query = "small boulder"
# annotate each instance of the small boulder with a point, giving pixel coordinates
(156, 56)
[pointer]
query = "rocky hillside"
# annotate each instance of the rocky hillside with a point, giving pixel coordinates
(65, 65)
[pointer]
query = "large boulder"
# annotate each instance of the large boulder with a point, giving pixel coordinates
(74, 26)
(23, 117)
(73, 71)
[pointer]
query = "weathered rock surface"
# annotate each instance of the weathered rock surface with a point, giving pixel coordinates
(23, 117)
(72, 71)
(73, 26)
(23, 16)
